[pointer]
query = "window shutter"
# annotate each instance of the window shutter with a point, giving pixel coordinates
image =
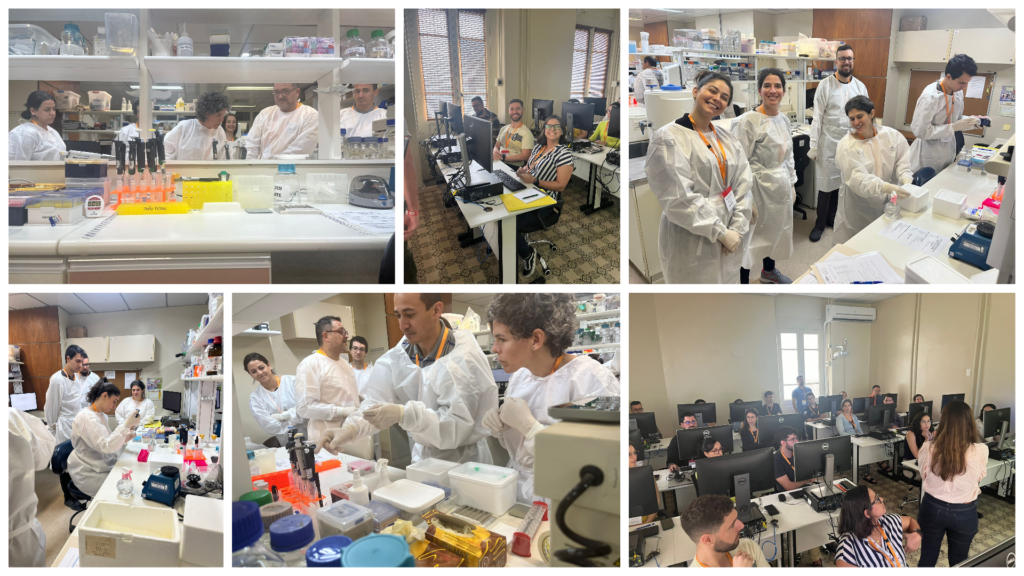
(579, 62)
(434, 60)
(599, 64)
(472, 57)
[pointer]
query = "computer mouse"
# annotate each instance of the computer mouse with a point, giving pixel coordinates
(782, 497)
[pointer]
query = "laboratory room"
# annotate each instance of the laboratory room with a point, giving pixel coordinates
(114, 435)
(821, 146)
(836, 430)
(427, 430)
(512, 171)
(177, 146)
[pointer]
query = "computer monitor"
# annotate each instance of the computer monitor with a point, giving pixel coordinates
(947, 398)
(643, 492)
(637, 441)
(767, 426)
(613, 123)
(600, 105)
(455, 119)
(500, 375)
(689, 441)
(24, 402)
(582, 118)
(809, 456)
(672, 73)
(881, 414)
(833, 404)
(442, 111)
(706, 412)
(645, 423)
(916, 407)
(480, 145)
(542, 110)
(861, 404)
(171, 401)
(738, 410)
(715, 475)
(992, 421)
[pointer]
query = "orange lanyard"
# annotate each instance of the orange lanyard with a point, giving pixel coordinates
(849, 418)
(949, 113)
(755, 434)
(787, 461)
(720, 159)
(320, 352)
(557, 362)
(66, 375)
(702, 565)
(440, 347)
(508, 134)
(817, 410)
(887, 543)
(537, 158)
(859, 137)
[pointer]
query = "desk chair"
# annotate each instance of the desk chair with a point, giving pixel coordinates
(546, 218)
(923, 175)
(801, 144)
(73, 497)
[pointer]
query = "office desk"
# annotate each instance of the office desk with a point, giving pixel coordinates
(995, 471)
(867, 450)
(597, 165)
(819, 430)
(674, 545)
(499, 224)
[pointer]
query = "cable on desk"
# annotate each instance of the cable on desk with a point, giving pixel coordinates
(773, 542)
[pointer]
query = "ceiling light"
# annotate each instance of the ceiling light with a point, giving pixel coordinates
(266, 88)
(159, 87)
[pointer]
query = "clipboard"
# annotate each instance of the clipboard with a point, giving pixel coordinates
(513, 204)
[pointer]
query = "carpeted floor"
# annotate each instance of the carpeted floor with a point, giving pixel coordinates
(588, 246)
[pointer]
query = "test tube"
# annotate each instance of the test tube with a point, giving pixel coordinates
(528, 529)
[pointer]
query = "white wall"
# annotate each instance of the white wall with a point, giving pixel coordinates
(18, 92)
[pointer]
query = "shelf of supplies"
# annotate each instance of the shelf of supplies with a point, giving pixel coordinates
(593, 347)
(367, 71)
(97, 112)
(598, 315)
(720, 54)
(218, 378)
(14, 380)
(212, 330)
(73, 68)
(257, 334)
(214, 70)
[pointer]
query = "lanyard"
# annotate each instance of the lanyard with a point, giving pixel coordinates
(817, 410)
(509, 133)
(849, 418)
(702, 565)
(557, 362)
(440, 347)
(755, 434)
(66, 375)
(537, 158)
(859, 137)
(768, 408)
(720, 159)
(320, 352)
(788, 462)
(949, 113)
(882, 552)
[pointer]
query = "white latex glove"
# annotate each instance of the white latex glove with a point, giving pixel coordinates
(753, 216)
(334, 438)
(900, 192)
(515, 413)
(384, 416)
(812, 154)
(730, 241)
(280, 416)
(492, 421)
(906, 180)
(133, 420)
(966, 124)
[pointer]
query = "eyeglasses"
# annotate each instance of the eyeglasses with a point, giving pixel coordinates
(283, 93)
(553, 128)
(878, 498)
(716, 451)
(342, 331)
(844, 59)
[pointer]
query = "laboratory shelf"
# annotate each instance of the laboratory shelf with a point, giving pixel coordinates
(213, 329)
(73, 68)
(593, 347)
(226, 70)
(13, 362)
(218, 378)
(90, 131)
(14, 380)
(257, 333)
(368, 71)
(98, 112)
(598, 315)
(720, 54)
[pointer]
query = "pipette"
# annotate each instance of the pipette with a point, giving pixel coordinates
(528, 529)
(214, 148)
(130, 184)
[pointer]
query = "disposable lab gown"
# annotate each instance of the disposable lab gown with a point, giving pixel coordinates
(128, 133)
(935, 145)
(95, 449)
(685, 177)
(190, 140)
(867, 165)
(86, 384)
(358, 123)
(768, 145)
(275, 132)
(444, 402)
(362, 377)
(581, 379)
(63, 402)
(323, 388)
(128, 406)
(644, 79)
(830, 125)
(30, 446)
(263, 403)
(29, 141)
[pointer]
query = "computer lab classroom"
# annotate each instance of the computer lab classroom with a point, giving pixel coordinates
(901, 360)
(490, 208)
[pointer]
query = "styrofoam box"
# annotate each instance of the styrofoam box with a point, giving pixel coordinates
(203, 531)
(160, 459)
(918, 200)
(410, 497)
(928, 270)
(990, 276)
(948, 203)
(489, 488)
(113, 534)
(430, 470)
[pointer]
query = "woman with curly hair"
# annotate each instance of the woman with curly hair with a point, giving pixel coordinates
(96, 448)
(193, 139)
(531, 333)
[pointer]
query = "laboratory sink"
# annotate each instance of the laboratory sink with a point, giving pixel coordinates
(638, 149)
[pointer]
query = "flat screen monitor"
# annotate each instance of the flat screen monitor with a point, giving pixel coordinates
(992, 421)
(480, 144)
(645, 423)
(707, 412)
(916, 407)
(455, 119)
(500, 375)
(643, 492)
(881, 414)
(171, 401)
(543, 109)
(690, 441)
(613, 123)
(768, 425)
(715, 475)
(947, 398)
(24, 402)
(637, 441)
(861, 404)
(809, 456)
(738, 410)
(600, 105)
(442, 111)
(582, 118)
(833, 404)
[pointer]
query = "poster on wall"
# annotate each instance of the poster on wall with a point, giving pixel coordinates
(1008, 102)
(154, 383)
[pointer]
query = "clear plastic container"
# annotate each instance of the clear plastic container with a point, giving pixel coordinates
(489, 488)
(353, 46)
(247, 550)
(184, 42)
(286, 184)
(384, 514)
(412, 498)
(361, 465)
(430, 470)
(99, 100)
(296, 47)
(30, 40)
(99, 42)
(122, 34)
(290, 537)
(329, 188)
(66, 100)
(345, 518)
(254, 192)
(72, 43)
(344, 142)
(379, 47)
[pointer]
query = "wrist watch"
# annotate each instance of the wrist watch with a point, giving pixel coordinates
(503, 157)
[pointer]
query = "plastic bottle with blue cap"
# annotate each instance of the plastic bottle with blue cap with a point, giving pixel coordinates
(247, 551)
(290, 537)
(326, 552)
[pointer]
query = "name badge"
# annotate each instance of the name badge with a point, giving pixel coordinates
(730, 199)
(947, 139)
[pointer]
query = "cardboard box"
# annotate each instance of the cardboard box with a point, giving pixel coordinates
(484, 549)
(77, 332)
(913, 23)
(433, 556)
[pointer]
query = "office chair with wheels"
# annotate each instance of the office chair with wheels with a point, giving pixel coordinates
(545, 219)
(923, 175)
(801, 144)
(73, 497)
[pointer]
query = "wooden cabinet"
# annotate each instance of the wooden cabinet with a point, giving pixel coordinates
(141, 348)
(922, 46)
(300, 325)
(985, 45)
(97, 348)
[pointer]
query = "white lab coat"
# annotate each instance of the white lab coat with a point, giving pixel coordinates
(96, 449)
(767, 142)
(444, 402)
(30, 446)
(128, 406)
(263, 403)
(29, 141)
(323, 389)
(360, 124)
(867, 165)
(581, 379)
(128, 133)
(86, 385)
(644, 79)
(935, 146)
(685, 177)
(63, 402)
(362, 377)
(830, 125)
(190, 140)
(275, 132)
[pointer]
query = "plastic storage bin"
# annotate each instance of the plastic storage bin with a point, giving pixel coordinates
(928, 270)
(30, 40)
(122, 29)
(56, 209)
(412, 498)
(327, 188)
(489, 488)
(384, 514)
(66, 99)
(948, 203)
(430, 470)
(918, 200)
(254, 192)
(345, 518)
(99, 100)
(363, 466)
(114, 534)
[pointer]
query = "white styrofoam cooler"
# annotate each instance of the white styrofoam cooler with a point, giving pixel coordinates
(918, 200)
(948, 203)
(203, 531)
(430, 470)
(113, 534)
(928, 270)
(489, 488)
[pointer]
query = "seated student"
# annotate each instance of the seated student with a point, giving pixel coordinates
(749, 434)
(635, 407)
(710, 448)
(633, 456)
(980, 423)
(847, 424)
(770, 407)
(514, 141)
(813, 411)
(870, 538)
(700, 401)
(876, 396)
(918, 398)
(785, 472)
(600, 135)
(549, 167)
(920, 431)
(675, 462)
(712, 524)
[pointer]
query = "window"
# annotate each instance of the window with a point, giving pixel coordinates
(591, 50)
(472, 57)
(800, 353)
(435, 60)
(442, 35)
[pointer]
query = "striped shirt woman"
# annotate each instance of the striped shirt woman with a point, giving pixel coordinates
(875, 553)
(549, 168)
(544, 165)
(869, 537)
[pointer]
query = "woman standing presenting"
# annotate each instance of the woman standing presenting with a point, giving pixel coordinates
(701, 178)
(765, 137)
(35, 140)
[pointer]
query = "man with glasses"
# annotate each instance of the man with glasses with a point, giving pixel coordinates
(325, 384)
(288, 127)
(436, 384)
(939, 115)
(357, 120)
(514, 141)
(785, 472)
(480, 111)
(829, 126)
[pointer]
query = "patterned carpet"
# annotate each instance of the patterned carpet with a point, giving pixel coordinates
(588, 246)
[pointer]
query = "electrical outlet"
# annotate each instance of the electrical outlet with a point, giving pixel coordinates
(968, 372)
(500, 82)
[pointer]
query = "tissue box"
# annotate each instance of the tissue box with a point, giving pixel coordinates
(918, 200)
(948, 203)
(481, 549)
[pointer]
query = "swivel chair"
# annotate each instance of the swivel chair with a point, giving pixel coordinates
(73, 497)
(546, 218)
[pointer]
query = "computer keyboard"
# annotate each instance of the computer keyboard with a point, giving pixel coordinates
(509, 181)
(882, 436)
